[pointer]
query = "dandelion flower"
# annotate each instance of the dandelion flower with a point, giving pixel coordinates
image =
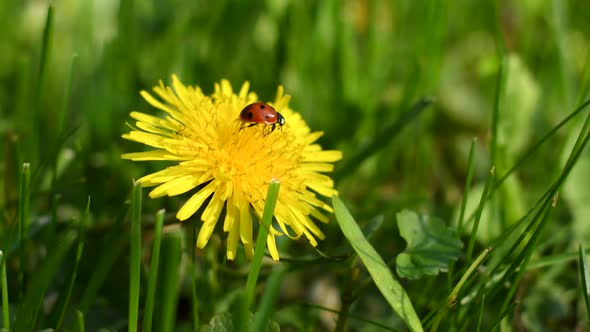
(215, 156)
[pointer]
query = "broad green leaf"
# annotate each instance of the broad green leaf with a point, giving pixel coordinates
(431, 245)
(389, 287)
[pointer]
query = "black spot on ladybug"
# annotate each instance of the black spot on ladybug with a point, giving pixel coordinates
(267, 116)
(250, 115)
(262, 106)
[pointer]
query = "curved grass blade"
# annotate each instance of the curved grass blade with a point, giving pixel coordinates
(478, 213)
(390, 288)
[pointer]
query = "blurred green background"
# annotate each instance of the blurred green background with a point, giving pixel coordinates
(352, 68)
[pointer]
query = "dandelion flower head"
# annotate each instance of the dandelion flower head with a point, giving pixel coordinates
(215, 156)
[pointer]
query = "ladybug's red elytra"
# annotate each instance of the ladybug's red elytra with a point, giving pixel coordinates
(261, 113)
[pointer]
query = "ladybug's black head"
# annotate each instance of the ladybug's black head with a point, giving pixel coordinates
(280, 119)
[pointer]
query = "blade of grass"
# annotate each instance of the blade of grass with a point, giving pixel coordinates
(534, 148)
(28, 308)
(80, 321)
(390, 288)
(4, 291)
(554, 260)
(466, 190)
(135, 256)
(478, 213)
(153, 276)
(452, 298)
(45, 50)
(519, 265)
(24, 201)
(385, 134)
(169, 271)
(470, 167)
(80, 248)
(269, 297)
(584, 278)
(256, 264)
(521, 245)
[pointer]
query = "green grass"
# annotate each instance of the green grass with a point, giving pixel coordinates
(423, 98)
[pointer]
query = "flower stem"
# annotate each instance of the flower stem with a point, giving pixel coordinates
(271, 200)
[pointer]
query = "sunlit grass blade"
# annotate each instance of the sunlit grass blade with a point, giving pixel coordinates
(478, 213)
(390, 288)
(452, 298)
(153, 275)
(28, 308)
(24, 198)
(135, 256)
(385, 134)
(584, 278)
(269, 297)
(80, 248)
(4, 292)
(256, 264)
(168, 274)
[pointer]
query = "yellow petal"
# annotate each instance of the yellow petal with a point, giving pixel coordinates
(194, 203)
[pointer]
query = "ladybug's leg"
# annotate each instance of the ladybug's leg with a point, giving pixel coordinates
(248, 125)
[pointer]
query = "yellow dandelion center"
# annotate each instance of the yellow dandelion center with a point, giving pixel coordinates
(233, 163)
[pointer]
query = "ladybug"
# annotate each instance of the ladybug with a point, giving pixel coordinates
(261, 113)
